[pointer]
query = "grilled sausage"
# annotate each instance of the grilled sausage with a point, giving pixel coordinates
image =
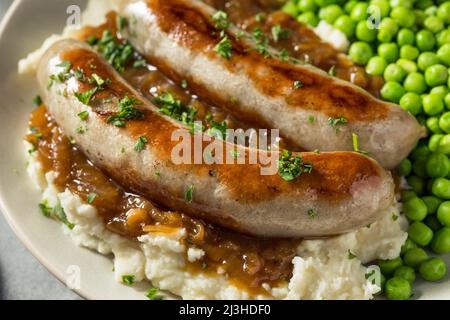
(344, 190)
(309, 107)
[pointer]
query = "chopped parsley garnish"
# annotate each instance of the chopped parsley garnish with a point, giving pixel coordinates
(140, 144)
(173, 108)
(45, 209)
(235, 153)
(356, 144)
(221, 20)
(394, 217)
(97, 79)
(128, 279)
(81, 130)
(57, 212)
(332, 71)
(279, 33)
(37, 101)
(153, 294)
(117, 53)
(184, 84)
(283, 55)
(312, 213)
(224, 48)
(127, 111)
(91, 197)
(140, 63)
(83, 115)
(217, 129)
(262, 42)
(334, 122)
(122, 23)
(290, 168)
(85, 97)
(66, 65)
(298, 84)
(189, 194)
(311, 119)
(259, 17)
(351, 255)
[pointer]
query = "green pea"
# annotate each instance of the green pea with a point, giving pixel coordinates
(436, 75)
(443, 12)
(383, 8)
(360, 52)
(433, 223)
(415, 82)
(346, 25)
(420, 151)
(434, 24)
(324, 3)
(306, 5)
(420, 233)
(415, 209)
(308, 18)
(441, 91)
(425, 40)
(444, 145)
(359, 11)
(433, 126)
(290, 8)
(387, 29)
(438, 165)
(376, 66)
(398, 289)
(412, 103)
(441, 188)
(447, 100)
(426, 60)
(443, 37)
(441, 241)
(388, 267)
(409, 52)
(444, 122)
(417, 184)
(444, 54)
(433, 269)
(407, 65)
(394, 72)
(388, 51)
(423, 4)
(408, 194)
(392, 91)
(420, 17)
(403, 16)
(414, 257)
(405, 37)
(432, 104)
(419, 167)
(330, 13)
(406, 273)
(409, 244)
(405, 167)
(443, 213)
(364, 33)
(349, 6)
(432, 204)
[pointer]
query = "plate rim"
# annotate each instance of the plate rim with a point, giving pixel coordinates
(13, 224)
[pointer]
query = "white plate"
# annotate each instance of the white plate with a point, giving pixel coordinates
(25, 26)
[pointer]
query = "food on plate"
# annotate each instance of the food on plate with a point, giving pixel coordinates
(348, 190)
(190, 40)
(118, 97)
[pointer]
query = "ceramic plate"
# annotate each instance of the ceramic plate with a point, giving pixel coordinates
(27, 24)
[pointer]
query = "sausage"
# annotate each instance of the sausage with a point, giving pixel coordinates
(344, 190)
(309, 107)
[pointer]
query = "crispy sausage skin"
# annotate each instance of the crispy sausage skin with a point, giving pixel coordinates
(346, 190)
(180, 38)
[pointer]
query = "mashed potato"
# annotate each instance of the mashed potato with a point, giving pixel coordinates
(323, 269)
